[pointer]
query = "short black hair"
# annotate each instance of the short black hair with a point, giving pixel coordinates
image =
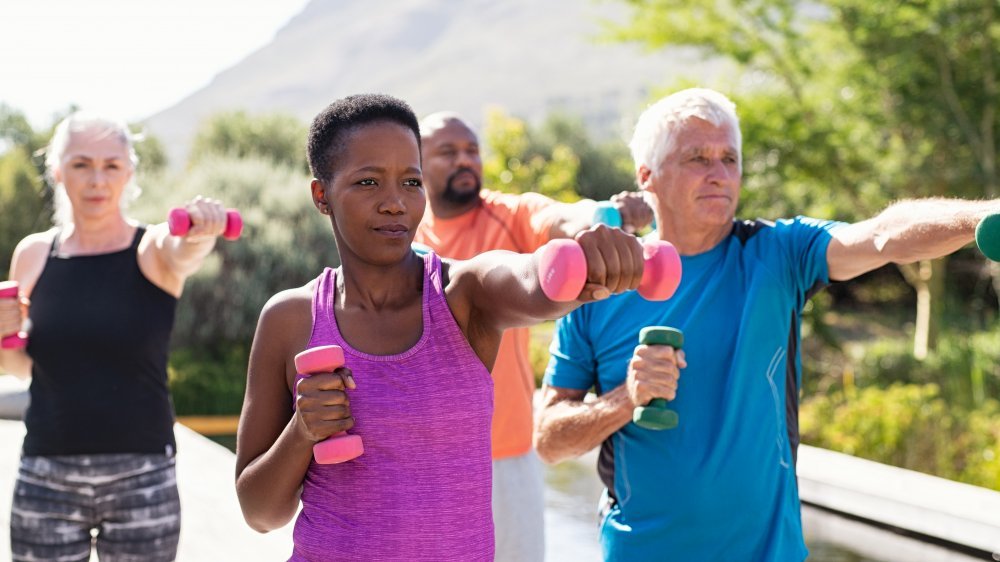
(332, 125)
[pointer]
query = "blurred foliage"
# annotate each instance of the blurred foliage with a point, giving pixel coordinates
(557, 159)
(209, 382)
(285, 244)
(909, 426)
(274, 137)
(847, 105)
(24, 201)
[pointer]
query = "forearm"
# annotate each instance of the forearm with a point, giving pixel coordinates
(269, 487)
(15, 362)
(566, 429)
(183, 254)
(567, 219)
(905, 232)
(913, 230)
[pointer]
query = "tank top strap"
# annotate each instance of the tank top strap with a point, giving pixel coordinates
(322, 309)
(137, 237)
(54, 248)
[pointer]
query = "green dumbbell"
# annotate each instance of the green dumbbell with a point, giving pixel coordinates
(656, 415)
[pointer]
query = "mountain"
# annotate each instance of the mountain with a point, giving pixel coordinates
(528, 57)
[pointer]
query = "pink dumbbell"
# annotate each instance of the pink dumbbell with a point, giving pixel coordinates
(9, 290)
(179, 222)
(562, 270)
(342, 446)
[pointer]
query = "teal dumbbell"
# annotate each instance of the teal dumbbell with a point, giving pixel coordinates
(656, 415)
(607, 213)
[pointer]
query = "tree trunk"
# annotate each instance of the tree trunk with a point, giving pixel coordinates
(927, 277)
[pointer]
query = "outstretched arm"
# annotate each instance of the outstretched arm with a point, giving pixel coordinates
(567, 219)
(498, 290)
(169, 260)
(905, 232)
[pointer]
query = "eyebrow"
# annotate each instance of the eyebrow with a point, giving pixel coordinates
(88, 158)
(381, 170)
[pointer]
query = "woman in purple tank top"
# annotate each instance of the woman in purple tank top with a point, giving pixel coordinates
(419, 337)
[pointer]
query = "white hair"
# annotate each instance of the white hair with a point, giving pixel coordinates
(80, 122)
(656, 130)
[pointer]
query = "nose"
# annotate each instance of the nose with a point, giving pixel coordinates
(722, 172)
(467, 159)
(98, 177)
(393, 203)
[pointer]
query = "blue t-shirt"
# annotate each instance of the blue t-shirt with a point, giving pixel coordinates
(721, 485)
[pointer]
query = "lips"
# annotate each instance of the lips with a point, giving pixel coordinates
(392, 229)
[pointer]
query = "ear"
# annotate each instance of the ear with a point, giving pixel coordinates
(643, 177)
(319, 196)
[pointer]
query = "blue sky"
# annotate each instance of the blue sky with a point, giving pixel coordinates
(125, 58)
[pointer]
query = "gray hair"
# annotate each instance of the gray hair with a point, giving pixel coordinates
(656, 130)
(79, 122)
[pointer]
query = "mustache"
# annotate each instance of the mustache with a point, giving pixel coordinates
(455, 174)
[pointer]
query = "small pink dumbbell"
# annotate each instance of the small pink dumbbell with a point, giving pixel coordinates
(179, 222)
(339, 447)
(9, 290)
(562, 269)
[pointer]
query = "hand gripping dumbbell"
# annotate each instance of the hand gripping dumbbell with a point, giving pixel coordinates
(607, 213)
(656, 415)
(19, 339)
(339, 447)
(179, 222)
(562, 270)
(988, 236)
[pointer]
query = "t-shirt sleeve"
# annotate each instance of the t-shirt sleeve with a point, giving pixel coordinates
(531, 226)
(806, 242)
(571, 364)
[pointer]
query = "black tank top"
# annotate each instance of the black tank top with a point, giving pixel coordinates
(99, 340)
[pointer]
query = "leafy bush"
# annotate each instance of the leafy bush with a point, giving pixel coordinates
(909, 426)
(208, 383)
(285, 243)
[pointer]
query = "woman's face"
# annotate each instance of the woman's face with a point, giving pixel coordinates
(376, 196)
(94, 170)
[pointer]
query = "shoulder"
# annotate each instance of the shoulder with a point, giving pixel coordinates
(29, 257)
(289, 304)
(515, 201)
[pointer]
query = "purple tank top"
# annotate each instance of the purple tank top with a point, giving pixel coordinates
(421, 490)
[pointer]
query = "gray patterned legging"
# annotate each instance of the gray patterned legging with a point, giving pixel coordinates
(126, 505)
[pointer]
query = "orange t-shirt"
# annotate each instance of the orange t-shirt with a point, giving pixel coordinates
(503, 221)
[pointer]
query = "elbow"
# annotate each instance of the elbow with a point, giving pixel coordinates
(266, 522)
(543, 443)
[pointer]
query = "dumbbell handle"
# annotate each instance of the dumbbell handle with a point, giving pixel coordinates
(179, 222)
(562, 270)
(656, 414)
(19, 339)
(342, 446)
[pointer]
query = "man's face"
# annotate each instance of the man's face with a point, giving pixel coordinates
(453, 170)
(698, 182)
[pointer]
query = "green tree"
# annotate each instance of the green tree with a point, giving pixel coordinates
(23, 200)
(275, 137)
(557, 159)
(849, 104)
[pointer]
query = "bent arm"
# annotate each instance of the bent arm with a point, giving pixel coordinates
(272, 452)
(568, 426)
(26, 267)
(905, 232)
